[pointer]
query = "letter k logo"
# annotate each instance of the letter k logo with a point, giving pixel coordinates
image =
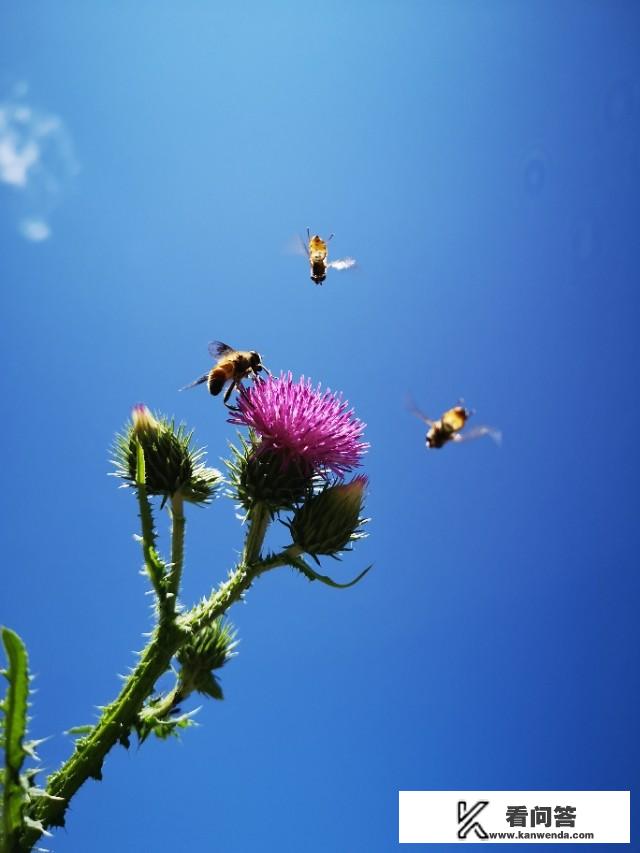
(467, 817)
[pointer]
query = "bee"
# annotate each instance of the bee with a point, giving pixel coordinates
(317, 252)
(447, 427)
(231, 366)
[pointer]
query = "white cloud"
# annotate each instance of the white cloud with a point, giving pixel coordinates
(36, 161)
(15, 161)
(35, 230)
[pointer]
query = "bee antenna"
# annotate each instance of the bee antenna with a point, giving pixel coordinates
(330, 236)
(308, 233)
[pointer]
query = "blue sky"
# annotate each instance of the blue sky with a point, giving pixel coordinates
(481, 161)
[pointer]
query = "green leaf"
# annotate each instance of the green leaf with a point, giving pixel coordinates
(15, 704)
(165, 728)
(299, 564)
(209, 685)
(79, 730)
(14, 797)
(154, 565)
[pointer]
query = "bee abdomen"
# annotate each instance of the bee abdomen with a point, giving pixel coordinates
(217, 378)
(318, 271)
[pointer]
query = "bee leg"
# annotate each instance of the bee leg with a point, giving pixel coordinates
(255, 373)
(228, 392)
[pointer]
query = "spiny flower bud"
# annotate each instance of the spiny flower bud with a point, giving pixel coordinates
(328, 521)
(171, 464)
(142, 421)
(263, 478)
(209, 649)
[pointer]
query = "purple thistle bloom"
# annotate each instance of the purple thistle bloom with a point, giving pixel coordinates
(303, 425)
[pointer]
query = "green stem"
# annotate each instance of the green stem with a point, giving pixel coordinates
(177, 547)
(259, 518)
(117, 719)
(114, 726)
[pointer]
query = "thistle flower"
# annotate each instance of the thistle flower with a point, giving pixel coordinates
(172, 465)
(328, 521)
(301, 425)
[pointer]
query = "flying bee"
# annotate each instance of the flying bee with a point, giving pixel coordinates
(231, 366)
(317, 252)
(447, 427)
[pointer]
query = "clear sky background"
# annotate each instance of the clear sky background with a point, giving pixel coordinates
(482, 162)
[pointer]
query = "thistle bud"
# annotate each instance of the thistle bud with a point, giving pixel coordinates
(142, 421)
(172, 465)
(261, 477)
(207, 650)
(328, 521)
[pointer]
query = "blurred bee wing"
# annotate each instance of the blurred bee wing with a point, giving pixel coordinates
(411, 406)
(342, 264)
(297, 246)
(217, 349)
(197, 382)
(478, 432)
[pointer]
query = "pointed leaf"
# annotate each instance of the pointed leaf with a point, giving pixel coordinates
(307, 571)
(79, 730)
(15, 724)
(16, 699)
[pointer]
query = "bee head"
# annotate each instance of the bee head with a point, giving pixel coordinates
(255, 361)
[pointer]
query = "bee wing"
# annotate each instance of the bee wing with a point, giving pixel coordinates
(342, 264)
(411, 406)
(196, 382)
(297, 246)
(478, 432)
(217, 349)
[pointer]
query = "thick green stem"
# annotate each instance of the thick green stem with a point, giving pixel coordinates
(259, 518)
(177, 546)
(117, 719)
(114, 726)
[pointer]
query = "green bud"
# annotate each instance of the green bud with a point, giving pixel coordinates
(328, 521)
(171, 464)
(207, 650)
(260, 478)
